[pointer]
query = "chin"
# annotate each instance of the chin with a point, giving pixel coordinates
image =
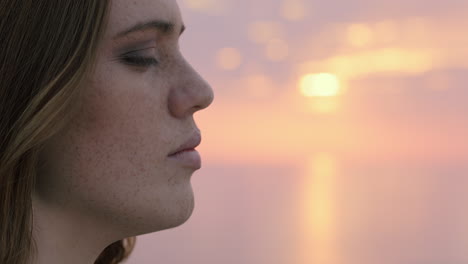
(185, 214)
(172, 219)
(181, 213)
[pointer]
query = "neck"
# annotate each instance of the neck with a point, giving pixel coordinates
(65, 236)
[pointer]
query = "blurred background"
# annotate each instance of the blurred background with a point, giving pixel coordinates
(337, 134)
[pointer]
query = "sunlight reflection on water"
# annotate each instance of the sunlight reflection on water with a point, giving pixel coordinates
(326, 212)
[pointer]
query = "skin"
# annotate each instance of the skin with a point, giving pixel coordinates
(107, 175)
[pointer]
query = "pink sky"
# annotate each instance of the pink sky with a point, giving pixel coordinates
(402, 66)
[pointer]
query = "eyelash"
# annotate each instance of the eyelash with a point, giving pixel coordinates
(138, 61)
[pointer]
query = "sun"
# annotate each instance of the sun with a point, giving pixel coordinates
(321, 84)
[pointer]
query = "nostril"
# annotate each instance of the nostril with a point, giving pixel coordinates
(198, 108)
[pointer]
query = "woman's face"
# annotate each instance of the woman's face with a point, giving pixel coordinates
(111, 165)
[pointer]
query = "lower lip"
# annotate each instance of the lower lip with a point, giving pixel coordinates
(190, 158)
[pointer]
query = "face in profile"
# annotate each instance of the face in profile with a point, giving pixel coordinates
(110, 168)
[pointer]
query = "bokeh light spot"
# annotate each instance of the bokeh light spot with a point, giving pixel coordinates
(322, 85)
(293, 10)
(261, 32)
(229, 58)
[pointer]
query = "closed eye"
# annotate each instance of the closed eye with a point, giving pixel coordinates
(138, 61)
(133, 60)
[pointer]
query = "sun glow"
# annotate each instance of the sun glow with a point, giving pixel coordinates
(322, 85)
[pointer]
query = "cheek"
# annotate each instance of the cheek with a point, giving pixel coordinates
(125, 123)
(127, 114)
(115, 149)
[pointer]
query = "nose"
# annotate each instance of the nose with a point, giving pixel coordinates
(190, 93)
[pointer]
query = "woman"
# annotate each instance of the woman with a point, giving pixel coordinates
(95, 97)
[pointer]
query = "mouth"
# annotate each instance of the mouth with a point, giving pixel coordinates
(189, 145)
(188, 157)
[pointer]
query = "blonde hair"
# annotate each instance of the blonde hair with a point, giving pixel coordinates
(47, 48)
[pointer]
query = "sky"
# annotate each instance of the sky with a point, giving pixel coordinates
(337, 134)
(390, 80)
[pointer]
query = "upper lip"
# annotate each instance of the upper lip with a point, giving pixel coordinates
(191, 143)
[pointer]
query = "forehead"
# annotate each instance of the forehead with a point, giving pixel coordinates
(126, 13)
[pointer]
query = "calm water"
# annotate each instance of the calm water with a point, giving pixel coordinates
(323, 211)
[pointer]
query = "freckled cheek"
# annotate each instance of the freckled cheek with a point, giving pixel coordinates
(133, 138)
(129, 115)
(111, 164)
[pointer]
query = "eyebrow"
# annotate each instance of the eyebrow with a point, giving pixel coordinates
(162, 25)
